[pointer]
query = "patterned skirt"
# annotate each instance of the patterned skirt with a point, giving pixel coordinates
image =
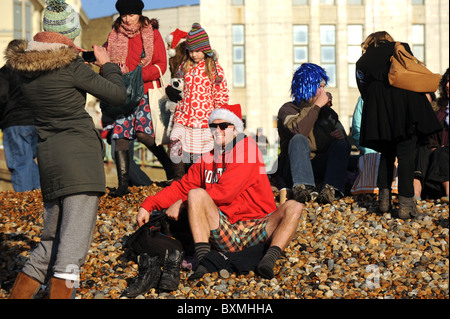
(140, 120)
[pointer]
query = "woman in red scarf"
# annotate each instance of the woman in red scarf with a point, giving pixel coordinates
(135, 40)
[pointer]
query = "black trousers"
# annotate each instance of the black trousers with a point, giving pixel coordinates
(404, 151)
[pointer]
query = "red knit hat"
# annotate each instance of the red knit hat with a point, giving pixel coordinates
(173, 39)
(229, 113)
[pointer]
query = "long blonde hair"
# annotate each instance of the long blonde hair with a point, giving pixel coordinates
(376, 38)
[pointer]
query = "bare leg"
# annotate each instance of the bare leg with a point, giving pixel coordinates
(283, 223)
(281, 227)
(203, 214)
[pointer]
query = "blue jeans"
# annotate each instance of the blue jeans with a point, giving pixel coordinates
(329, 167)
(20, 150)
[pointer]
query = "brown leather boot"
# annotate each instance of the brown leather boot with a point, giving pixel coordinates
(24, 287)
(384, 200)
(61, 288)
(407, 207)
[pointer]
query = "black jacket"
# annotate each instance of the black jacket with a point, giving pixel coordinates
(389, 114)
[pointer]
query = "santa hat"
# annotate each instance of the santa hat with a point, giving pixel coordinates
(229, 113)
(173, 39)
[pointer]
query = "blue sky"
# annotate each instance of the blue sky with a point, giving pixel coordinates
(102, 8)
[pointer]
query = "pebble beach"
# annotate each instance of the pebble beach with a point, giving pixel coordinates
(340, 251)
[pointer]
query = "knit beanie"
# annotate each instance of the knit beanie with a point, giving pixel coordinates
(198, 40)
(61, 18)
(129, 7)
(229, 113)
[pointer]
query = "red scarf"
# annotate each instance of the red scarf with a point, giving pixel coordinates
(118, 43)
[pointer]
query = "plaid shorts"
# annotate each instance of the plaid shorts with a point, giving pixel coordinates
(242, 234)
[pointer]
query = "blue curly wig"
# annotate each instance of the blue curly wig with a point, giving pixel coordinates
(306, 81)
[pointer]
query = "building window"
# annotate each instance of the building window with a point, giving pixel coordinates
(238, 55)
(355, 2)
(299, 2)
(354, 40)
(237, 2)
(328, 51)
(22, 19)
(418, 41)
(327, 2)
(300, 40)
(417, 2)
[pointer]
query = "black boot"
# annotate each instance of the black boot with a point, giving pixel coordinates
(123, 167)
(171, 271)
(162, 156)
(178, 171)
(149, 273)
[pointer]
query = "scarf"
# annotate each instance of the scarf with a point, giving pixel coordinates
(118, 43)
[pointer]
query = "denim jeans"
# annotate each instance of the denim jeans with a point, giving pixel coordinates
(330, 167)
(20, 150)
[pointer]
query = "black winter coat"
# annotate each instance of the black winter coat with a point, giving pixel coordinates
(389, 114)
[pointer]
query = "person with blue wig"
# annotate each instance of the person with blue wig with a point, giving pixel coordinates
(314, 145)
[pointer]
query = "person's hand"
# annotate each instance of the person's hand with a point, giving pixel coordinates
(101, 55)
(338, 134)
(173, 212)
(321, 97)
(173, 94)
(142, 217)
(124, 68)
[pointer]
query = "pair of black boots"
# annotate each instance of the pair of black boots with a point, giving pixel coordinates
(150, 274)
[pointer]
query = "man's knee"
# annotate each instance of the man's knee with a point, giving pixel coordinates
(293, 210)
(299, 141)
(341, 146)
(197, 196)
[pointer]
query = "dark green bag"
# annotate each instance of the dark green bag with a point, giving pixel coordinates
(135, 93)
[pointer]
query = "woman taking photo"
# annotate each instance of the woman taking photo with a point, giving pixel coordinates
(135, 40)
(70, 151)
(392, 121)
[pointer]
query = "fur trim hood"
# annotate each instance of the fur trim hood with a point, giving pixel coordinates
(46, 52)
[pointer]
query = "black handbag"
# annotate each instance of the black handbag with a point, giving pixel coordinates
(135, 93)
(153, 238)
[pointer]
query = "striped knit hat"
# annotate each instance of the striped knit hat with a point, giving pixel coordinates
(61, 18)
(198, 40)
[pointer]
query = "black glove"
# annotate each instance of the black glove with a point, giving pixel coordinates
(173, 94)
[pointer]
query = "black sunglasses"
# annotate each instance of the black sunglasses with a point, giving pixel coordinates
(223, 126)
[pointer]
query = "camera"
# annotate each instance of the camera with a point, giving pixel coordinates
(88, 56)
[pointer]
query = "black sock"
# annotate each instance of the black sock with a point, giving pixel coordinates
(265, 266)
(201, 250)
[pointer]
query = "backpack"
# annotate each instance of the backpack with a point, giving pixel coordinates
(153, 238)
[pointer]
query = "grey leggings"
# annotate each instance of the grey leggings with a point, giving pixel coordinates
(69, 224)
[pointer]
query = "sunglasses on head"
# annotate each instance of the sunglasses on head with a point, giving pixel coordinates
(223, 126)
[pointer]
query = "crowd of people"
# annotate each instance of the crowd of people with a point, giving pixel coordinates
(217, 178)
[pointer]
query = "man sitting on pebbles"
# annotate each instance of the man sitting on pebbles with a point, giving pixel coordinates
(228, 197)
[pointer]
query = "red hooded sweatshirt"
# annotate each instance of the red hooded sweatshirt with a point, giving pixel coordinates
(235, 179)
